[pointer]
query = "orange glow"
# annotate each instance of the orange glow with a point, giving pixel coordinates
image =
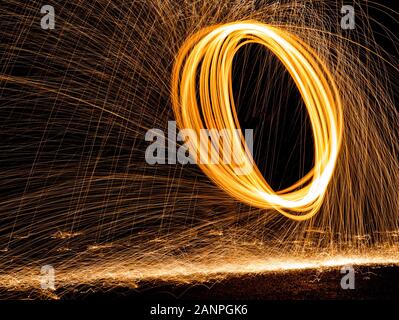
(210, 54)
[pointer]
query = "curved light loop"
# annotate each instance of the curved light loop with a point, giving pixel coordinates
(202, 98)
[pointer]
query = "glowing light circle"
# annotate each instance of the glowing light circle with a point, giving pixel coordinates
(202, 97)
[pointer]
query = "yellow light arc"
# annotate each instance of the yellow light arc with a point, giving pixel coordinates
(202, 98)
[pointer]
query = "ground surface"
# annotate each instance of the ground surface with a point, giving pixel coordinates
(371, 282)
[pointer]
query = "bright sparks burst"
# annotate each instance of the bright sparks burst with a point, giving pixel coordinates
(210, 53)
(76, 102)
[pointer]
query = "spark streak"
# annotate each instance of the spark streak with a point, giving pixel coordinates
(210, 53)
(76, 102)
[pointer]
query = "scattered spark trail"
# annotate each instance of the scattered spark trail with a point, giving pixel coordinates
(75, 104)
(215, 49)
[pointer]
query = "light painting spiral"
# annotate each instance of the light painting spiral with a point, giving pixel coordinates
(209, 55)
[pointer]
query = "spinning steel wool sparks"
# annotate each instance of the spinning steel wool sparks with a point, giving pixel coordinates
(77, 99)
(212, 52)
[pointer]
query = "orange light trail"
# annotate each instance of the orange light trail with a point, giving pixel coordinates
(76, 191)
(210, 54)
